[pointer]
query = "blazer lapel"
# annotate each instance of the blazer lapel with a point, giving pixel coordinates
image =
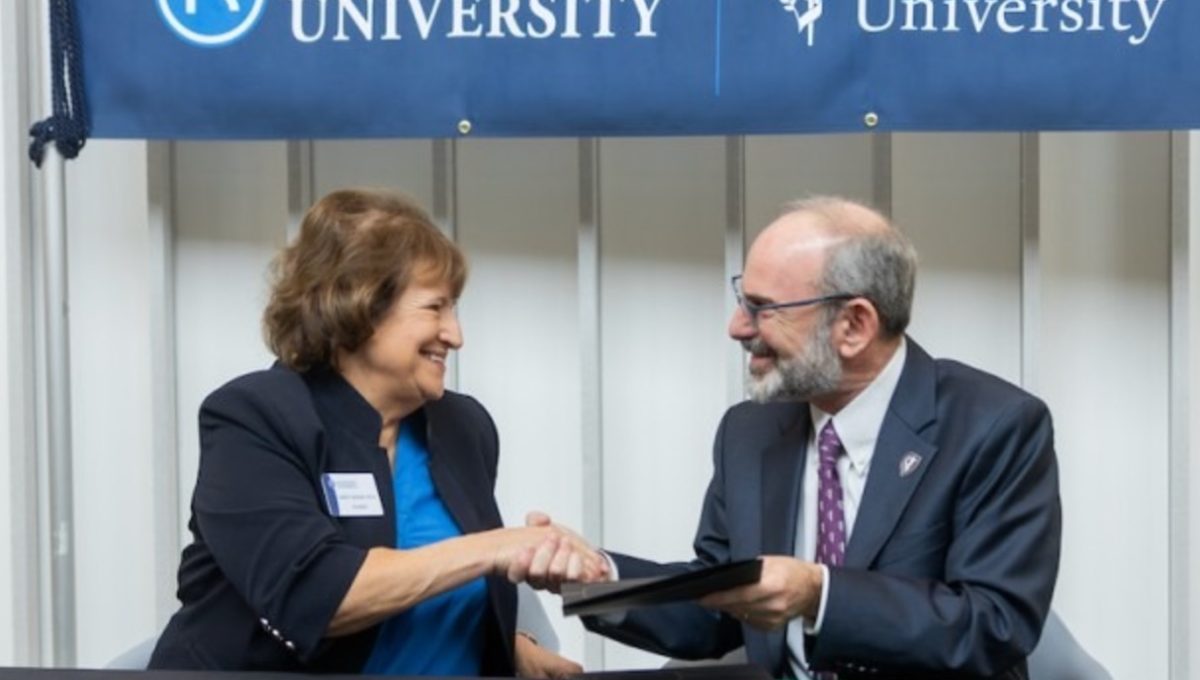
(452, 473)
(900, 460)
(782, 480)
(463, 485)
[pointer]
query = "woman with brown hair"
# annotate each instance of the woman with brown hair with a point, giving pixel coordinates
(343, 518)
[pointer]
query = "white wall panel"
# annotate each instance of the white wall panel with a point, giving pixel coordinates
(230, 216)
(663, 342)
(1104, 364)
(405, 165)
(517, 217)
(110, 398)
(784, 168)
(957, 196)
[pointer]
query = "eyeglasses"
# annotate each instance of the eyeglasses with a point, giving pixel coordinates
(753, 309)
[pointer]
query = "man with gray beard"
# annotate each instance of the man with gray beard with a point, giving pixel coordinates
(814, 370)
(906, 509)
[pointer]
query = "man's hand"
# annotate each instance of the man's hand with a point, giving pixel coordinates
(788, 588)
(535, 661)
(567, 559)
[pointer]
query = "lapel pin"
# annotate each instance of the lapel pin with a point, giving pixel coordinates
(909, 463)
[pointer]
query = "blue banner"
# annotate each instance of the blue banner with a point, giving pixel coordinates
(240, 69)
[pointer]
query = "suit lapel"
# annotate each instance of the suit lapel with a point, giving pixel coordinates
(782, 480)
(902, 456)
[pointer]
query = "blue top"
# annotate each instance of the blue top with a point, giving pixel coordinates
(444, 634)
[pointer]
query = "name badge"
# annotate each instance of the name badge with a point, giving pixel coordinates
(351, 494)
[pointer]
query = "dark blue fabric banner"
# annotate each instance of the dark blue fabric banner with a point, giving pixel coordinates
(436, 68)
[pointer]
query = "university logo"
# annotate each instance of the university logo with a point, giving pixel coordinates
(806, 13)
(211, 23)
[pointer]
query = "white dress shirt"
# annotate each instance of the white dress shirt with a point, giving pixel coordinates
(857, 426)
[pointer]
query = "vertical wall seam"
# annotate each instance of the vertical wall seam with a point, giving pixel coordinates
(301, 182)
(161, 188)
(445, 214)
(1179, 527)
(591, 393)
(58, 395)
(59, 424)
(881, 172)
(445, 186)
(1030, 255)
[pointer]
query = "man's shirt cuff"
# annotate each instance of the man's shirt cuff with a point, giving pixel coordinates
(611, 618)
(613, 575)
(814, 627)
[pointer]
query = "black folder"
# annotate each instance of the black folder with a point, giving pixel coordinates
(582, 599)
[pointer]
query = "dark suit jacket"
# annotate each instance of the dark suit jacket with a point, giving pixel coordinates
(949, 570)
(268, 566)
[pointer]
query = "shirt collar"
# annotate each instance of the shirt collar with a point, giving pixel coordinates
(858, 424)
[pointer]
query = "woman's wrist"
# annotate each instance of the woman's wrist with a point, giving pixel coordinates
(484, 551)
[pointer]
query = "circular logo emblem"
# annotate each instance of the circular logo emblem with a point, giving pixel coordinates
(211, 23)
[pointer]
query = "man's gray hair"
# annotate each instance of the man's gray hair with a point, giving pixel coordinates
(872, 258)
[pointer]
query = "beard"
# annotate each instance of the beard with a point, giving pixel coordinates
(815, 371)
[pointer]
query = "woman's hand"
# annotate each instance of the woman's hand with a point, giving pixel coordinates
(391, 581)
(544, 554)
(535, 661)
(572, 560)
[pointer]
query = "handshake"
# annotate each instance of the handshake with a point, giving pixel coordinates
(546, 555)
(765, 595)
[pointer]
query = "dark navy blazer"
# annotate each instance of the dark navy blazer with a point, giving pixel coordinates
(949, 570)
(268, 566)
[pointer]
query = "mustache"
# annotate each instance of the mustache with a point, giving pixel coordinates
(757, 347)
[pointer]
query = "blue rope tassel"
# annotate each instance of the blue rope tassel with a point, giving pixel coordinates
(67, 127)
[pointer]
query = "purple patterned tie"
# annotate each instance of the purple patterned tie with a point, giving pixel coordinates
(831, 523)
